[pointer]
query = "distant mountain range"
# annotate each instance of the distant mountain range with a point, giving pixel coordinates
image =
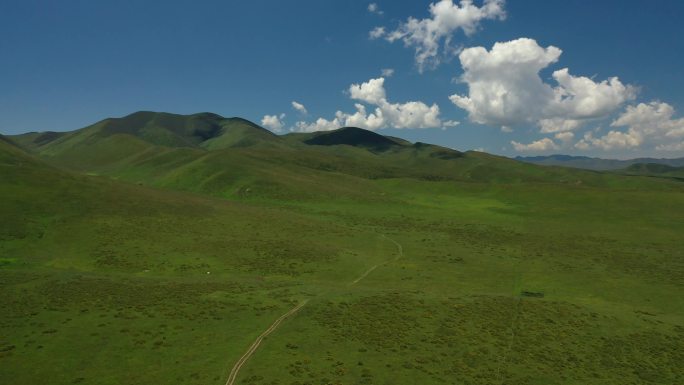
(231, 157)
(597, 164)
(227, 157)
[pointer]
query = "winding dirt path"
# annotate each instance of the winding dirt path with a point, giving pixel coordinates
(252, 348)
(354, 282)
(257, 342)
(400, 249)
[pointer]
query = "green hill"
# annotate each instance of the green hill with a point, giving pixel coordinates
(353, 136)
(13, 155)
(111, 141)
(156, 128)
(598, 164)
(79, 251)
(228, 157)
(653, 169)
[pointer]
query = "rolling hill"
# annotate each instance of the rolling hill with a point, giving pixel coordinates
(157, 129)
(598, 164)
(227, 157)
(351, 136)
(653, 169)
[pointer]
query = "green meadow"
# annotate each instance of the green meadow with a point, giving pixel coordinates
(155, 249)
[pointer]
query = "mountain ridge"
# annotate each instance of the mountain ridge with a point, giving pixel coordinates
(594, 163)
(227, 157)
(156, 128)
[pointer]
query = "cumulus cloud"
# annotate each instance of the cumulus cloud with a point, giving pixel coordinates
(583, 144)
(320, 124)
(299, 107)
(558, 125)
(360, 118)
(412, 114)
(273, 122)
(505, 89)
(647, 124)
(654, 118)
(504, 84)
(545, 144)
(377, 33)
(671, 147)
(427, 36)
(387, 72)
(450, 123)
(374, 8)
(612, 140)
(579, 97)
(372, 91)
(565, 136)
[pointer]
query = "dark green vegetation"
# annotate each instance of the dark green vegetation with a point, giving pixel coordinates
(155, 248)
(598, 164)
(654, 169)
(353, 136)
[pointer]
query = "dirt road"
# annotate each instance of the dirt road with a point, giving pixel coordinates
(257, 342)
(238, 365)
(400, 253)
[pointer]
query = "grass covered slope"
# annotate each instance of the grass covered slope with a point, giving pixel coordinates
(353, 136)
(106, 282)
(236, 158)
(653, 169)
(155, 128)
(421, 265)
(597, 164)
(112, 141)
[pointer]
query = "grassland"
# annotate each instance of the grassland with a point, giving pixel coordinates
(166, 266)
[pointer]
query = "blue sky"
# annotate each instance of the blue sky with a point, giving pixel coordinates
(68, 64)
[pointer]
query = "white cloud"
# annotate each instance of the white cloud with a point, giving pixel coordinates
(360, 118)
(412, 114)
(371, 121)
(387, 72)
(611, 141)
(654, 118)
(319, 125)
(504, 84)
(273, 122)
(372, 91)
(377, 33)
(545, 144)
(581, 98)
(374, 8)
(564, 136)
(671, 147)
(428, 35)
(582, 145)
(299, 107)
(558, 125)
(504, 89)
(647, 124)
(450, 123)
